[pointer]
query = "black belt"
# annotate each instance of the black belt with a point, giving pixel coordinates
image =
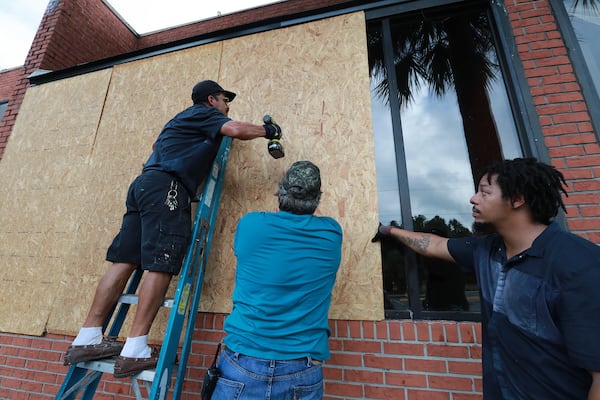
(317, 362)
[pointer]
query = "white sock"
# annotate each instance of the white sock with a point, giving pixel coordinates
(86, 336)
(136, 347)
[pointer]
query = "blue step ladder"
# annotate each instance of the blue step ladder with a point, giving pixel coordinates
(84, 377)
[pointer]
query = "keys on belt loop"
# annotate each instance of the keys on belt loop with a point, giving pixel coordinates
(171, 200)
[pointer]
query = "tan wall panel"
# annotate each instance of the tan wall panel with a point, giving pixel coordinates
(42, 173)
(313, 78)
(141, 98)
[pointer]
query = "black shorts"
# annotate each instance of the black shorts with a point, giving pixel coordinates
(156, 229)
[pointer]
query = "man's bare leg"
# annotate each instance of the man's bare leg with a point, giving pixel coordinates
(150, 297)
(108, 291)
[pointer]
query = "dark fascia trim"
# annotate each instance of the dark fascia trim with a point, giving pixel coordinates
(41, 77)
(582, 72)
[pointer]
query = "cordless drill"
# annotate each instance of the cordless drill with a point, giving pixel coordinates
(274, 146)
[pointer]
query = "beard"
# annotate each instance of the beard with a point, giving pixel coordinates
(483, 228)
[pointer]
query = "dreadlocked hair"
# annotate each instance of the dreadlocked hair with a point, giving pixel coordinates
(540, 184)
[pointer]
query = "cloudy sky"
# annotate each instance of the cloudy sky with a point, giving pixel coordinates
(19, 19)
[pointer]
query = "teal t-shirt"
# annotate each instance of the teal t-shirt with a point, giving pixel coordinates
(286, 269)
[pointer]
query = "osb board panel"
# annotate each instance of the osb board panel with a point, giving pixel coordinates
(141, 98)
(312, 78)
(41, 175)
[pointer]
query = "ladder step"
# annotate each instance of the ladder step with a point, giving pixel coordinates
(108, 366)
(133, 299)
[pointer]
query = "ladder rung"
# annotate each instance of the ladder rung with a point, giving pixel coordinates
(133, 299)
(108, 366)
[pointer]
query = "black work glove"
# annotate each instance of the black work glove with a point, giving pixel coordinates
(382, 231)
(272, 131)
(385, 230)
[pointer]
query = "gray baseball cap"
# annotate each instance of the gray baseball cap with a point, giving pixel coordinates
(303, 180)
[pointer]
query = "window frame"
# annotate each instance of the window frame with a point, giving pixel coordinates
(523, 108)
(580, 67)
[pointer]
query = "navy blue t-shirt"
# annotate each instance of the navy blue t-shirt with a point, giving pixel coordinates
(540, 314)
(187, 145)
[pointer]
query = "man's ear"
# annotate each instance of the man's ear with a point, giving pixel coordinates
(518, 201)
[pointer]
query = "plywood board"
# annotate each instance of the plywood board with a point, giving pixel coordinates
(313, 78)
(41, 175)
(141, 98)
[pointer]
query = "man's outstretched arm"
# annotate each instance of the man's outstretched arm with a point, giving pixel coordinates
(426, 244)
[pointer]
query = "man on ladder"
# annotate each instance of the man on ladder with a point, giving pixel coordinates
(156, 228)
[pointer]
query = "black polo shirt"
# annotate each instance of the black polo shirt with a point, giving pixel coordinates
(187, 145)
(540, 314)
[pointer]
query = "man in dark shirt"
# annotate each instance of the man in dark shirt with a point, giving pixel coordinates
(156, 228)
(539, 285)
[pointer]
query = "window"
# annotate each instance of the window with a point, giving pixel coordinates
(441, 113)
(585, 20)
(579, 22)
(3, 106)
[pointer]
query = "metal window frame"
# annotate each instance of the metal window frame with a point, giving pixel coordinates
(523, 108)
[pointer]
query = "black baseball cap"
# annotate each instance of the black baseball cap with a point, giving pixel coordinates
(203, 89)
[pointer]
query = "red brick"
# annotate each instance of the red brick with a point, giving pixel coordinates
(413, 349)
(345, 359)
(588, 224)
(375, 361)
(363, 376)
(362, 346)
(425, 365)
(381, 328)
(380, 392)
(590, 211)
(408, 330)
(451, 331)
(582, 138)
(423, 331)
(346, 390)
(450, 383)
(405, 379)
(437, 331)
(333, 373)
(395, 330)
(464, 368)
(427, 395)
(368, 329)
(435, 350)
(466, 334)
(355, 329)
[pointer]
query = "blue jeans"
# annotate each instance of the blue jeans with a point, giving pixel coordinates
(249, 378)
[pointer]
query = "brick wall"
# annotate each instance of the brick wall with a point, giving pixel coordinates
(8, 86)
(79, 31)
(369, 360)
(563, 115)
(249, 17)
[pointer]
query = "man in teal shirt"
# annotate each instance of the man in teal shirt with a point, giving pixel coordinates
(277, 333)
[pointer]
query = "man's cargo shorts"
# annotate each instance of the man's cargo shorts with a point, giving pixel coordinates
(156, 228)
